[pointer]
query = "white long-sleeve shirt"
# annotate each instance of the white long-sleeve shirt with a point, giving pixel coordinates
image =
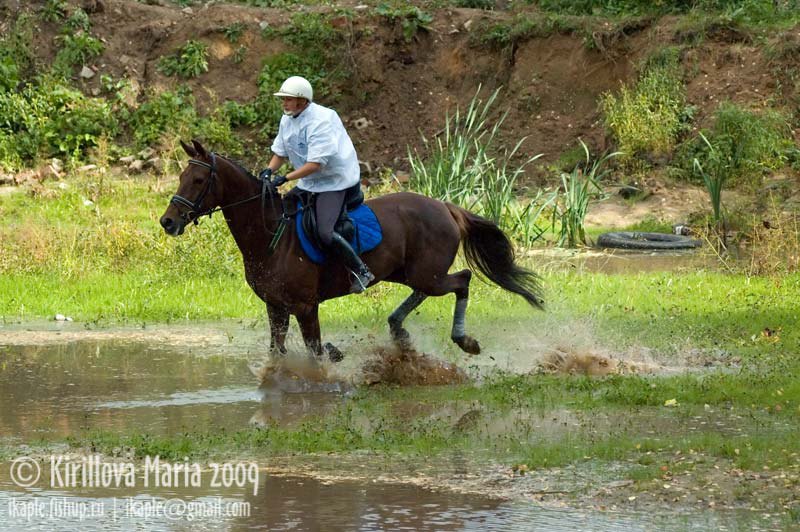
(317, 135)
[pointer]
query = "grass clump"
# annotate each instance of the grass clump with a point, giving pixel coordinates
(189, 61)
(647, 117)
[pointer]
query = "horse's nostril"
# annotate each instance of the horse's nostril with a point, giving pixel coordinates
(166, 223)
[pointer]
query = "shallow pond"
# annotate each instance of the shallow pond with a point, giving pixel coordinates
(61, 381)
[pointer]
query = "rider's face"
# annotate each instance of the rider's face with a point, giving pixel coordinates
(293, 105)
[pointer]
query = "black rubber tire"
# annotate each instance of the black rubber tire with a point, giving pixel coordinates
(637, 240)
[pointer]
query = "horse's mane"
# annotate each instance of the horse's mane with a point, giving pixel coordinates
(239, 165)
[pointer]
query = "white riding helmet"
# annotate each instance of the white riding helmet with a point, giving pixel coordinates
(296, 87)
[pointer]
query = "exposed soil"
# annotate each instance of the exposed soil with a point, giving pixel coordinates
(551, 84)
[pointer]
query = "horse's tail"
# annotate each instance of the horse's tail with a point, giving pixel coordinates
(489, 250)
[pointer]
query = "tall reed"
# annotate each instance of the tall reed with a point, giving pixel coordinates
(462, 166)
(580, 187)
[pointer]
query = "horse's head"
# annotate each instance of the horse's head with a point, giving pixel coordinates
(198, 190)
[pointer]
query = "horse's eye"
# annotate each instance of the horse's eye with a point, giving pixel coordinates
(198, 180)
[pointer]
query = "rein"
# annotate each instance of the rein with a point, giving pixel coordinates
(195, 208)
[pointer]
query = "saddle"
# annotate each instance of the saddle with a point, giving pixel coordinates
(353, 198)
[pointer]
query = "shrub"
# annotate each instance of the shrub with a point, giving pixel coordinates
(78, 21)
(742, 144)
(411, 18)
(48, 118)
(76, 49)
(162, 113)
(54, 10)
(189, 61)
(648, 117)
(234, 32)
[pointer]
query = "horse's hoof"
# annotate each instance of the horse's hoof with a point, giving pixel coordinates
(334, 355)
(402, 339)
(468, 344)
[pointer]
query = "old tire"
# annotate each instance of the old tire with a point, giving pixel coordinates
(652, 241)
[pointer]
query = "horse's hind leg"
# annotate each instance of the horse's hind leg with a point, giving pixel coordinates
(459, 334)
(399, 334)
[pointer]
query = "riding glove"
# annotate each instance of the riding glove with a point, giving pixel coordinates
(265, 174)
(279, 180)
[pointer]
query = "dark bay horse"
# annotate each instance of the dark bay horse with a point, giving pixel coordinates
(421, 237)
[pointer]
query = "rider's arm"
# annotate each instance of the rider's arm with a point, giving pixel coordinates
(303, 171)
(276, 162)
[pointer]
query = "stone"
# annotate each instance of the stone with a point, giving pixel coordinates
(156, 163)
(86, 72)
(361, 123)
(468, 24)
(146, 153)
(127, 159)
(366, 168)
(136, 166)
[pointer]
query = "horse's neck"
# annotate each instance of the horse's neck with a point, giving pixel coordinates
(246, 220)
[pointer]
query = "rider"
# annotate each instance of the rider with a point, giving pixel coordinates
(314, 140)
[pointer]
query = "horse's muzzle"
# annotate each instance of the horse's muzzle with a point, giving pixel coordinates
(172, 226)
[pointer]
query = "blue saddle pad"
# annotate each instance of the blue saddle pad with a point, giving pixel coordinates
(367, 234)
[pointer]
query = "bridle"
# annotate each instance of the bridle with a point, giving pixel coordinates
(194, 209)
(194, 212)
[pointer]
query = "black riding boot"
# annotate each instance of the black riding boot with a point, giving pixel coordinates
(353, 262)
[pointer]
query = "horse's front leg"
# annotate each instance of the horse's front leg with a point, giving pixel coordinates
(309, 327)
(278, 327)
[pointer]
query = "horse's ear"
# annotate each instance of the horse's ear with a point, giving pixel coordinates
(201, 151)
(191, 152)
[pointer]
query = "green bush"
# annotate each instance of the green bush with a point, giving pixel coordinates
(162, 113)
(189, 61)
(648, 117)
(48, 118)
(54, 10)
(743, 144)
(171, 115)
(234, 32)
(76, 49)
(16, 57)
(76, 22)
(411, 18)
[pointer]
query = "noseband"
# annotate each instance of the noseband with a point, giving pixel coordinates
(194, 208)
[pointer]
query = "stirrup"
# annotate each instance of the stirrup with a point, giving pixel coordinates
(362, 279)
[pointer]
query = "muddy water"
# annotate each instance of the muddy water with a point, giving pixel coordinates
(622, 261)
(301, 503)
(52, 391)
(66, 381)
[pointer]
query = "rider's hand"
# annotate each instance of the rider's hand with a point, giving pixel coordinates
(265, 174)
(279, 180)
